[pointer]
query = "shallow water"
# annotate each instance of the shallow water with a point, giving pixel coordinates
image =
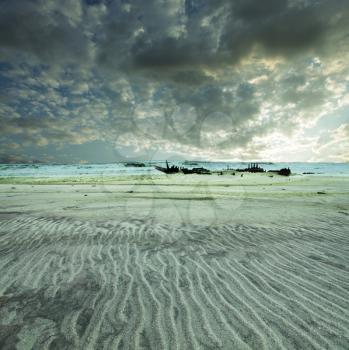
(119, 169)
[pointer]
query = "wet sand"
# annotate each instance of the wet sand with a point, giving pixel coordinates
(174, 262)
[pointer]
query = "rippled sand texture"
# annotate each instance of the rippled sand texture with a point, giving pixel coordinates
(68, 284)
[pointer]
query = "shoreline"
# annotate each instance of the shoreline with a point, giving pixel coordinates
(228, 198)
(87, 179)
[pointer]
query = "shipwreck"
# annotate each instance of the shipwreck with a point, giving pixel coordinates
(252, 168)
(173, 169)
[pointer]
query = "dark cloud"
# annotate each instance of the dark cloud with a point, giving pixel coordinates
(133, 35)
(253, 10)
(43, 31)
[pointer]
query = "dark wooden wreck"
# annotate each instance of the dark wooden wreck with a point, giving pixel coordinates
(134, 164)
(252, 168)
(201, 171)
(175, 170)
(283, 171)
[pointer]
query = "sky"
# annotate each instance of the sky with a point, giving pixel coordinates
(115, 80)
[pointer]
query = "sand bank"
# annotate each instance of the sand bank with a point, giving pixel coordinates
(175, 262)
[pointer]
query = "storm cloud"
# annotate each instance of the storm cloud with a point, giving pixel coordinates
(194, 78)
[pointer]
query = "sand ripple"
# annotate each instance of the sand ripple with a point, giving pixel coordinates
(68, 284)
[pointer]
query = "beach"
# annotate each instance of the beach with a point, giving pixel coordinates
(174, 262)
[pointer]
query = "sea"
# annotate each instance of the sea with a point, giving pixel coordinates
(124, 169)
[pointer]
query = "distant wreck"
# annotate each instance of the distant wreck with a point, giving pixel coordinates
(189, 162)
(255, 168)
(134, 164)
(252, 168)
(201, 171)
(283, 171)
(173, 169)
